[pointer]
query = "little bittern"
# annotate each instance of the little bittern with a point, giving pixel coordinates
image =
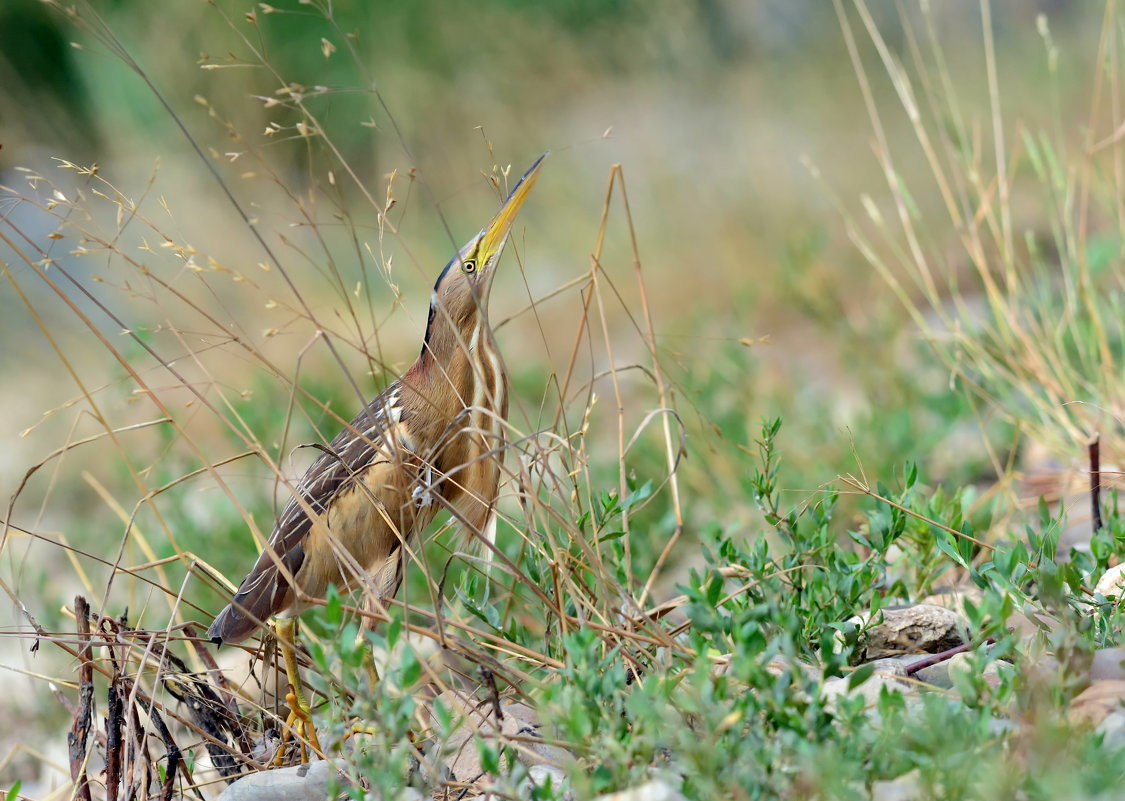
(431, 440)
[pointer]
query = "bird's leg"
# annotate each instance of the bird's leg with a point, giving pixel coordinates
(300, 711)
(372, 672)
(373, 682)
(370, 666)
(368, 624)
(371, 669)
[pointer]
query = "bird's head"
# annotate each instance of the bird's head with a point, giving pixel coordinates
(460, 297)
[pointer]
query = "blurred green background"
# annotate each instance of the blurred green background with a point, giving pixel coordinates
(714, 110)
(739, 127)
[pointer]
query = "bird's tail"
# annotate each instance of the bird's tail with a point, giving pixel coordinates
(232, 625)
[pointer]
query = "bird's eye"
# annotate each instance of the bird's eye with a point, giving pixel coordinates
(469, 266)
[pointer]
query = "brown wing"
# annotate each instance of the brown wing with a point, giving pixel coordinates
(266, 590)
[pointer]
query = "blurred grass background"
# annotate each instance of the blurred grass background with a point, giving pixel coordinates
(715, 109)
(711, 107)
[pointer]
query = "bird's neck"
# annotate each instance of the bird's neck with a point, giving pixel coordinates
(450, 342)
(457, 369)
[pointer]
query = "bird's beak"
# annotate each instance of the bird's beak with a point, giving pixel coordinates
(495, 234)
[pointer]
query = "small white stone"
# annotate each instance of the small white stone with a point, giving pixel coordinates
(905, 788)
(541, 776)
(651, 791)
(1113, 729)
(1111, 582)
(868, 690)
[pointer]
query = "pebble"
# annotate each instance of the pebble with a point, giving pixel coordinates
(541, 776)
(656, 790)
(1107, 664)
(941, 675)
(936, 675)
(1111, 582)
(905, 788)
(1003, 727)
(922, 628)
(1094, 705)
(1112, 729)
(894, 666)
(459, 754)
(309, 782)
(870, 690)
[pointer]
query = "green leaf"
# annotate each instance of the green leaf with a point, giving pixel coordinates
(442, 715)
(642, 493)
(394, 629)
(486, 612)
(944, 541)
(860, 675)
(965, 545)
(411, 668)
(489, 758)
(333, 607)
(714, 591)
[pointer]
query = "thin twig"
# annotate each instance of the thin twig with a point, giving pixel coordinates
(172, 755)
(493, 693)
(115, 719)
(1096, 483)
(942, 656)
(80, 730)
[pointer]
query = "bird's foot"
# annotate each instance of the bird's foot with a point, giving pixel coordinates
(359, 728)
(299, 724)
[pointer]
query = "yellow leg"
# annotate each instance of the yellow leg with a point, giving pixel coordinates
(300, 711)
(372, 672)
(372, 682)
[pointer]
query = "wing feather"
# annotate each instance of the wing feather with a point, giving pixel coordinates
(267, 590)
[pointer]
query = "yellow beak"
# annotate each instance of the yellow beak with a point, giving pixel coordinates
(495, 234)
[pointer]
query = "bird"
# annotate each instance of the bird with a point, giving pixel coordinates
(431, 440)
